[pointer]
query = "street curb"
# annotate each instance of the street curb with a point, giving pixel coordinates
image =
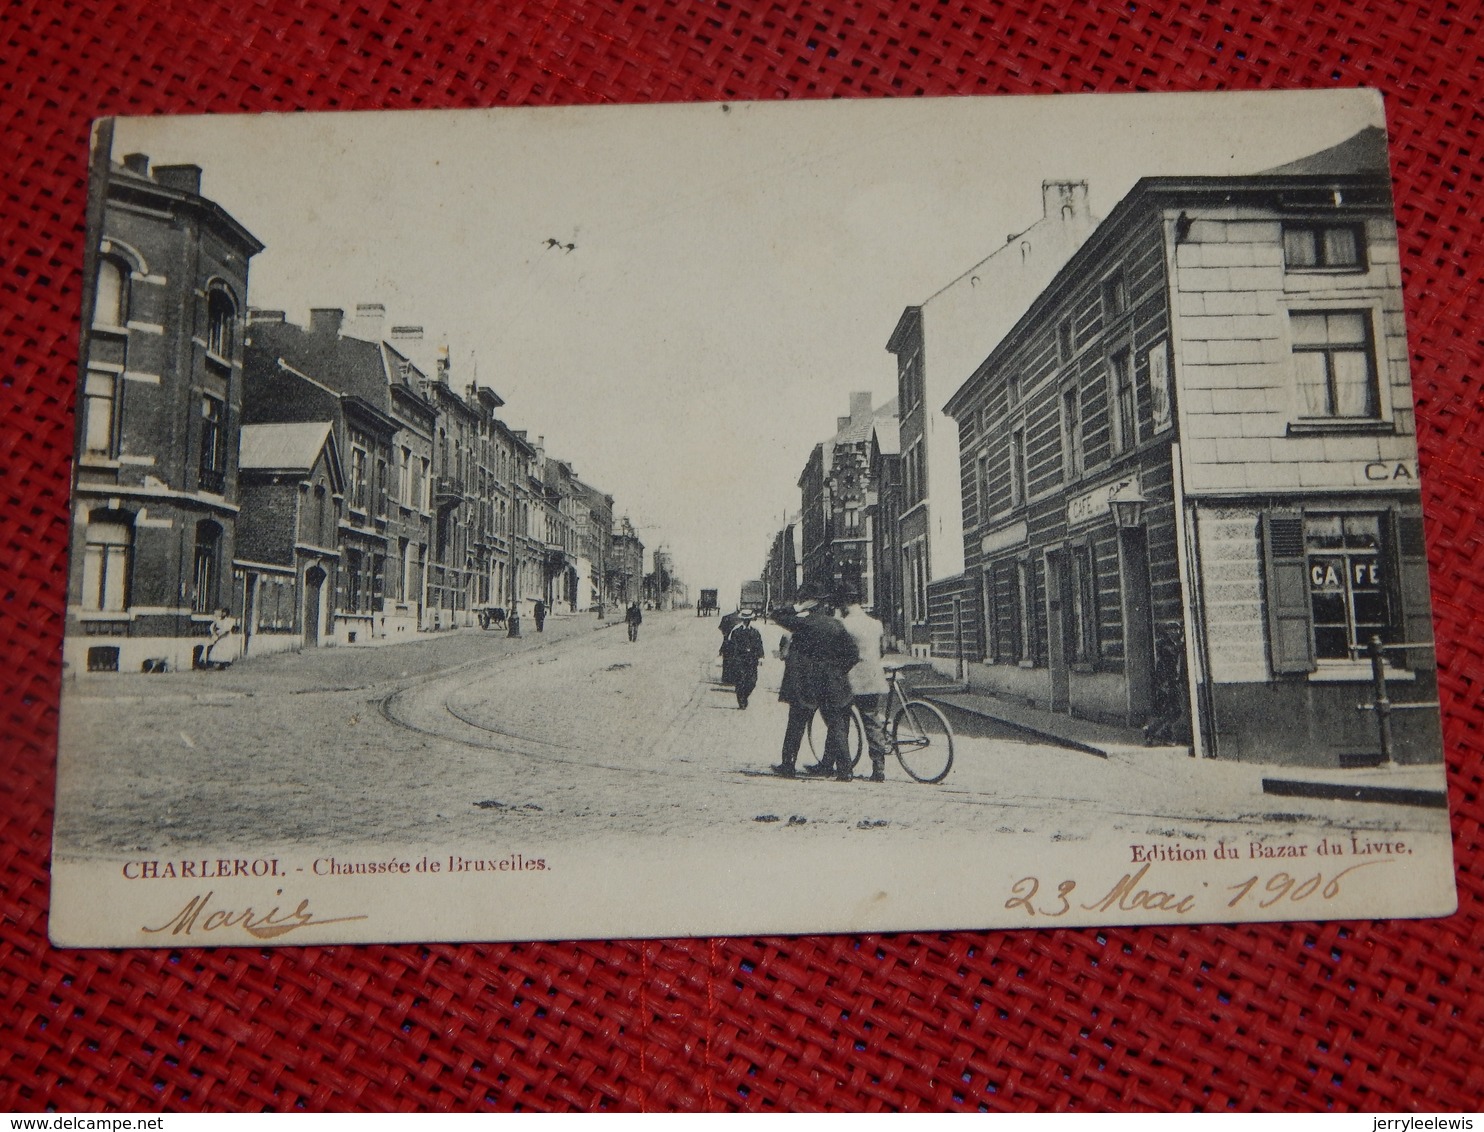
(1019, 728)
(1344, 792)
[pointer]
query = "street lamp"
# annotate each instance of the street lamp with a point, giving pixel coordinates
(1127, 505)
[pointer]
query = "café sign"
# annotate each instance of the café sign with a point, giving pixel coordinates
(1094, 504)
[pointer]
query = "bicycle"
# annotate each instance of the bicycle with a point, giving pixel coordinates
(919, 733)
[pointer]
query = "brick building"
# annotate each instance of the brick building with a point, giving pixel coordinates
(937, 345)
(288, 534)
(1202, 432)
(156, 473)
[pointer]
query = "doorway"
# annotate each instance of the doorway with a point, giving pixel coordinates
(1138, 623)
(1058, 602)
(314, 589)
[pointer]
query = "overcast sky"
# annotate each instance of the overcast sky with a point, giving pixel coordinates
(736, 271)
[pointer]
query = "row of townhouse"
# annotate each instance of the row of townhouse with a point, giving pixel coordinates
(1185, 467)
(324, 484)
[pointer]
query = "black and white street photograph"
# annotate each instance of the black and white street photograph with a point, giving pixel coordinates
(742, 517)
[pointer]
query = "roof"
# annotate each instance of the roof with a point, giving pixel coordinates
(1364, 152)
(283, 447)
(858, 431)
(1368, 189)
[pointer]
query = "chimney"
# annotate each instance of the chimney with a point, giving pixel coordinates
(137, 163)
(368, 321)
(842, 423)
(1065, 200)
(860, 407)
(325, 321)
(406, 333)
(186, 178)
(254, 315)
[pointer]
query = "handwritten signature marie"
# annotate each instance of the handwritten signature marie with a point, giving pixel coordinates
(270, 925)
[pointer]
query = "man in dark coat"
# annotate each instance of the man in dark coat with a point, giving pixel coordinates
(741, 653)
(727, 624)
(816, 678)
(540, 617)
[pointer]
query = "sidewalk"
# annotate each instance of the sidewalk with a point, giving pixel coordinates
(332, 668)
(1400, 785)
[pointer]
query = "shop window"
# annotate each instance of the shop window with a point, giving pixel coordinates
(103, 658)
(1024, 624)
(1336, 579)
(107, 550)
(1335, 365)
(206, 567)
(1324, 247)
(353, 573)
(100, 413)
(1347, 583)
(111, 300)
(1083, 643)
(213, 445)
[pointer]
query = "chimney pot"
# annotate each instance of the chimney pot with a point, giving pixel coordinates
(1066, 200)
(186, 178)
(137, 163)
(326, 320)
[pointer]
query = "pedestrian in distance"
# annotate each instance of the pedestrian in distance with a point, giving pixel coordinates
(816, 678)
(726, 625)
(223, 625)
(868, 679)
(1168, 722)
(635, 618)
(741, 653)
(540, 614)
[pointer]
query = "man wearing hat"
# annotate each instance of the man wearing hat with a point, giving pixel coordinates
(816, 678)
(741, 653)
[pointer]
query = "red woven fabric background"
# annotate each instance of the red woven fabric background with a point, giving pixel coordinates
(1302, 1016)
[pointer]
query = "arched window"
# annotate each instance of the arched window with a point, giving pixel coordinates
(111, 300)
(107, 549)
(221, 323)
(205, 570)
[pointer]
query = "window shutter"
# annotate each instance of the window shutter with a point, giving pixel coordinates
(1290, 633)
(1412, 587)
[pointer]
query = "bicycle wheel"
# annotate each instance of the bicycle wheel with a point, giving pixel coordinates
(857, 738)
(923, 741)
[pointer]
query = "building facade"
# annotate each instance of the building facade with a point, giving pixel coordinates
(156, 494)
(937, 345)
(1195, 455)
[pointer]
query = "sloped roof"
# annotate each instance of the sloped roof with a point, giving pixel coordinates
(1364, 152)
(283, 447)
(859, 431)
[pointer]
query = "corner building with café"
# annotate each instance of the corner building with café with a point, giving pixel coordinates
(1202, 433)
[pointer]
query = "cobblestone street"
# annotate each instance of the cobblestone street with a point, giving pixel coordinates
(467, 736)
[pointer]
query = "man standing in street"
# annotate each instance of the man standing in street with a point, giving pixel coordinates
(816, 678)
(635, 618)
(540, 612)
(868, 679)
(741, 653)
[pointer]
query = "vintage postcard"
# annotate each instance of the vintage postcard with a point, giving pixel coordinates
(745, 518)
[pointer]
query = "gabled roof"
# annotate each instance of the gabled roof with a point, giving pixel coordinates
(286, 448)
